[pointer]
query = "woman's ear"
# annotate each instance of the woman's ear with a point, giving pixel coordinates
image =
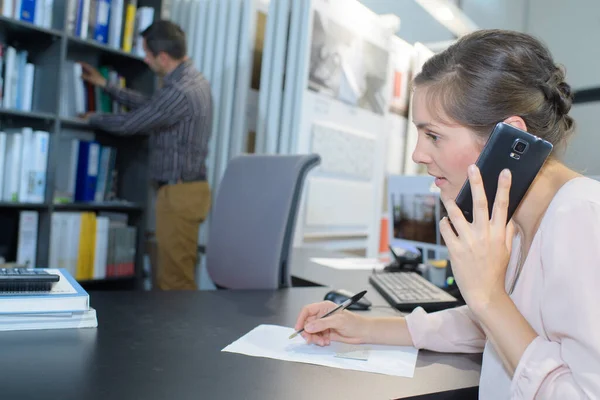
(517, 122)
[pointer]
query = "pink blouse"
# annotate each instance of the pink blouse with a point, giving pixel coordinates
(558, 292)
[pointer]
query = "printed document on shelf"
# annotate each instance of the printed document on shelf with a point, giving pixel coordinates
(350, 263)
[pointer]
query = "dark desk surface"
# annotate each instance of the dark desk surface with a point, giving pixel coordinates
(155, 345)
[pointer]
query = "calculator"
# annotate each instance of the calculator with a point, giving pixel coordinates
(26, 280)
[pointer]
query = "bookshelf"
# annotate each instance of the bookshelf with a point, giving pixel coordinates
(51, 50)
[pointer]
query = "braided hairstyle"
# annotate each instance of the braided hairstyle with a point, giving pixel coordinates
(490, 75)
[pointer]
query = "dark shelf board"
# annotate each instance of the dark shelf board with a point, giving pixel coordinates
(111, 284)
(126, 207)
(105, 280)
(587, 95)
(80, 124)
(108, 54)
(29, 115)
(74, 122)
(27, 34)
(23, 206)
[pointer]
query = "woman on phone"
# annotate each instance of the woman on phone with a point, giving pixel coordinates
(530, 286)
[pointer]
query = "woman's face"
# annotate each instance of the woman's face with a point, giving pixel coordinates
(445, 149)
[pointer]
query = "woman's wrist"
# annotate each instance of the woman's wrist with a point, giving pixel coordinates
(388, 331)
(505, 327)
(488, 305)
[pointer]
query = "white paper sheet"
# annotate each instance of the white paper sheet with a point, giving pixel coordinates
(271, 341)
(350, 263)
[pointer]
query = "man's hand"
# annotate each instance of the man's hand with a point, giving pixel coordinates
(86, 115)
(91, 75)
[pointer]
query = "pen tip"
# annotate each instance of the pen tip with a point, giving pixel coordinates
(293, 335)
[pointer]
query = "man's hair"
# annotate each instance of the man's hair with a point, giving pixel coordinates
(165, 36)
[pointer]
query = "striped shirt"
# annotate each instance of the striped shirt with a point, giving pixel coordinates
(178, 118)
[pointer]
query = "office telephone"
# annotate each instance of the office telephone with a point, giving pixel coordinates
(408, 261)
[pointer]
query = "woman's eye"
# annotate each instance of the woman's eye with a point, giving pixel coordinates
(431, 136)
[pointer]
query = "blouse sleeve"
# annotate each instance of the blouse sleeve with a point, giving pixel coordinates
(567, 364)
(455, 330)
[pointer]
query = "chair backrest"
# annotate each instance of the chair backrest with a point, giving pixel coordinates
(253, 218)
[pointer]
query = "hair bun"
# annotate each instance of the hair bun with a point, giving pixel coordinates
(565, 97)
(558, 92)
(562, 98)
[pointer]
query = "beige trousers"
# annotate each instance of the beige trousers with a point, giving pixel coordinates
(180, 209)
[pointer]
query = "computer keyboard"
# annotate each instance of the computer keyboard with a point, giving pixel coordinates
(408, 290)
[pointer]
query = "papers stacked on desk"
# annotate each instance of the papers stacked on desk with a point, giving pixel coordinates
(67, 305)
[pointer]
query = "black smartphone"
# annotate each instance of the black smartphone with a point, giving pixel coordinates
(509, 147)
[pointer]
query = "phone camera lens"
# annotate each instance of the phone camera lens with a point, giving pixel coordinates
(519, 147)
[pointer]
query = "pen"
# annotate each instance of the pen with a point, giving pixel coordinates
(342, 306)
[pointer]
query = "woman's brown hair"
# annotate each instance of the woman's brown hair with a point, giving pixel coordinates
(490, 75)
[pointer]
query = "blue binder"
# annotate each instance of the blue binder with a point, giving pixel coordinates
(102, 19)
(28, 10)
(87, 171)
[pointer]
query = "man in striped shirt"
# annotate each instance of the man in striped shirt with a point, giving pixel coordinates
(178, 119)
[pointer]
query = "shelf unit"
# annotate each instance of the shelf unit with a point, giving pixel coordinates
(587, 95)
(49, 50)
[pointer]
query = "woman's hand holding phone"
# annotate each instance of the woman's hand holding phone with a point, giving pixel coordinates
(480, 251)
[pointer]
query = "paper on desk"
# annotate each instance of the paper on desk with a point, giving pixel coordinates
(271, 341)
(350, 263)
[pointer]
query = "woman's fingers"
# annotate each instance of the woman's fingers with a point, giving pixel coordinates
(334, 321)
(509, 235)
(500, 210)
(448, 234)
(311, 312)
(481, 213)
(460, 224)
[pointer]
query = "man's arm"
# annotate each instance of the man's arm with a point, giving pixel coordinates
(165, 108)
(127, 97)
